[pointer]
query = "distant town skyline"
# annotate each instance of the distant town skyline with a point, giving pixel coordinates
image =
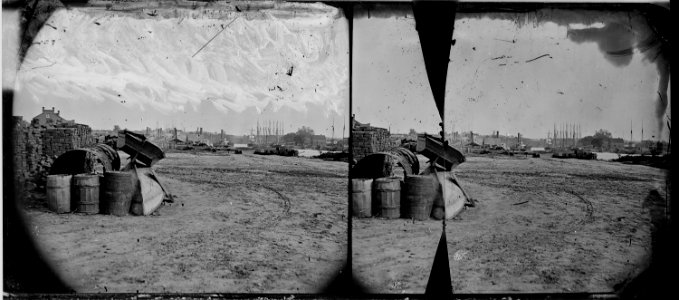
(263, 124)
(637, 129)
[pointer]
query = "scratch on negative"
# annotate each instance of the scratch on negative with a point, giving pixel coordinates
(227, 25)
(38, 67)
(541, 56)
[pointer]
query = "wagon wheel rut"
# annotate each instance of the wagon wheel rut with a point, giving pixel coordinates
(573, 221)
(589, 210)
(286, 200)
(286, 203)
(277, 217)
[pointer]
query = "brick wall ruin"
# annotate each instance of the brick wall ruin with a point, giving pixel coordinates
(36, 146)
(367, 140)
(19, 159)
(58, 140)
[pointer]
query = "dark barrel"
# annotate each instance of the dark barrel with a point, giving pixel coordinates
(419, 191)
(86, 193)
(383, 164)
(116, 193)
(361, 190)
(95, 159)
(388, 196)
(406, 159)
(59, 193)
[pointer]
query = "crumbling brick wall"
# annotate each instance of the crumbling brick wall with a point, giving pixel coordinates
(367, 140)
(19, 127)
(61, 139)
(36, 163)
(37, 146)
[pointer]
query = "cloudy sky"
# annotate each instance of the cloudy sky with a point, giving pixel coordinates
(288, 63)
(492, 83)
(134, 70)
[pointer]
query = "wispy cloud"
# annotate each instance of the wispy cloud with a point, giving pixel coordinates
(146, 63)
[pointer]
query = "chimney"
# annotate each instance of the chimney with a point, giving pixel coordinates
(52, 108)
(43, 109)
(58, 112)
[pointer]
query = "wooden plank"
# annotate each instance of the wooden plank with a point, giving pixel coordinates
(432, 148)
(136, 145)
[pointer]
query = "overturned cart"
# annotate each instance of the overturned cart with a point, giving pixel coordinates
(148, 193)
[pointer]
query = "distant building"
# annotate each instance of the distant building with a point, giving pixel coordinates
(401, 136)
(471, 138)
(492, 140)
(317, 140)
(50, 117)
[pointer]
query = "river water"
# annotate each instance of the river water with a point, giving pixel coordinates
(611, 155)
(312, 152)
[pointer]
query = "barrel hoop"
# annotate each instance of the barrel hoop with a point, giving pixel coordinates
(387, 190)
(57, 186)
(363, 189)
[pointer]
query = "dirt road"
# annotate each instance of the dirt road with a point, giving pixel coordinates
(240, 223)
(540, 225)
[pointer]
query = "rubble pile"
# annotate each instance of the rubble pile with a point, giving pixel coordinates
(378, 190)
(19, 159)
(94, 176)
(61, 139)
(36, 146)
(34, 153)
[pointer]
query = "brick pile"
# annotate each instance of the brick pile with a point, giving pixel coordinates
(33, 146)
(368, 139)
(37, 146)
(59, 140)
(19, 142)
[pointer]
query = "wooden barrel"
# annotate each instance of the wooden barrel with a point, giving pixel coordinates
(86, 193)
(59, 193)
(388, 196)
(419, 193)
(116, 193)
(361, 192)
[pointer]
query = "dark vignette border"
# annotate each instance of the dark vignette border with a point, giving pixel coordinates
(27, 276)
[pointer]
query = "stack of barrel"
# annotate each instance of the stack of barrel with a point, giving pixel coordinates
(392, 197)
(91, 193)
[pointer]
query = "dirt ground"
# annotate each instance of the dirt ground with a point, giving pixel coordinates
(240, 223)
(540, 225)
